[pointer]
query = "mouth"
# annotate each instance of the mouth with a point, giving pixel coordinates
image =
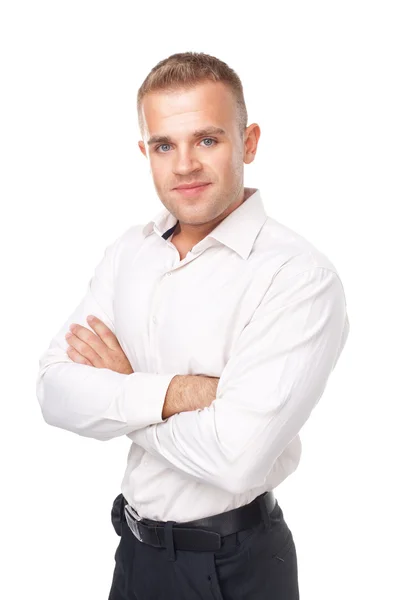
(192, 191)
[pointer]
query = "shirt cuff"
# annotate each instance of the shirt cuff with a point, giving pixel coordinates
(143, 398)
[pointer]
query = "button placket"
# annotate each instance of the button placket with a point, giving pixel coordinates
(154, 320)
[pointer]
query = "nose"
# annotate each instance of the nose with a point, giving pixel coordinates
(186, 162)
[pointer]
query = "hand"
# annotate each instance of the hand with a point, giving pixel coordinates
(102, 350)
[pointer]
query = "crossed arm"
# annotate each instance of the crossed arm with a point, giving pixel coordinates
(111, 400)
(274, 378)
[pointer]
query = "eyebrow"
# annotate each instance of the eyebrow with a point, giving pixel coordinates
(166, 139)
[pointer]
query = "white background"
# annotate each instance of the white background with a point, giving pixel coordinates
(322, 81)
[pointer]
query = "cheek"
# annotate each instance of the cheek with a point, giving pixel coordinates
(219, 162)
(236, 163)
(225, 167)
(159, 169)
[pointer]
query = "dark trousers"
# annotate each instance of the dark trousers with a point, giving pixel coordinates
(253, 564)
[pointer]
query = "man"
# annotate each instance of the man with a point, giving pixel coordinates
(215, 331)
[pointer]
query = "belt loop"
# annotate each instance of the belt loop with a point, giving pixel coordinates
(264, 511)
(169, 540)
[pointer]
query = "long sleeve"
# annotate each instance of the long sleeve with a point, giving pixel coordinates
(275, 376)
(93, 402)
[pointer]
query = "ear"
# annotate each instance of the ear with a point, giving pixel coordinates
(252, 135)
(142, 147)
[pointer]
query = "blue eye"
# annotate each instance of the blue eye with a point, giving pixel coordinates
(162, 146)
(210, 140)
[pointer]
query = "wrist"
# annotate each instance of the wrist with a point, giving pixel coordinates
(188, 393)
(173, 397)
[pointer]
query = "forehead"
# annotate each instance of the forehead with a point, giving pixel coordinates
(183, 108)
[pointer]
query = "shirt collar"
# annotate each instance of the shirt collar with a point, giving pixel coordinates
(238, 230)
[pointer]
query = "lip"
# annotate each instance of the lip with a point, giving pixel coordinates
(192, 191)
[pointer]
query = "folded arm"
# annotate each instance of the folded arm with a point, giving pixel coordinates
(91, 402)
(275, 376)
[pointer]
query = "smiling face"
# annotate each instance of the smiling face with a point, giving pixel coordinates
(192, 136)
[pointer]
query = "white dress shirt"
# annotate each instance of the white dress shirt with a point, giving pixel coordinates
(253, 303)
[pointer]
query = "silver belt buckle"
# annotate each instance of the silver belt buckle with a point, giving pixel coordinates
(131, 518)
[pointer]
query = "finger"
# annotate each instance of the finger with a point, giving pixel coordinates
(84, 350)
(90, 339)
(78, 358)
(104, 332)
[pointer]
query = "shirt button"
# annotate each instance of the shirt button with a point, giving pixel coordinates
(169, 273)
(154, 320)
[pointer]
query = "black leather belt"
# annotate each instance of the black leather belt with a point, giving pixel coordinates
(203, 535)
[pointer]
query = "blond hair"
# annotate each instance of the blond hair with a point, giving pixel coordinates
(186, 70)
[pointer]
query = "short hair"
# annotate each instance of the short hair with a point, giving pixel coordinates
(186, 70)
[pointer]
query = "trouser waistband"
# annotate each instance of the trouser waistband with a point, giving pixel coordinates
(203, 535)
